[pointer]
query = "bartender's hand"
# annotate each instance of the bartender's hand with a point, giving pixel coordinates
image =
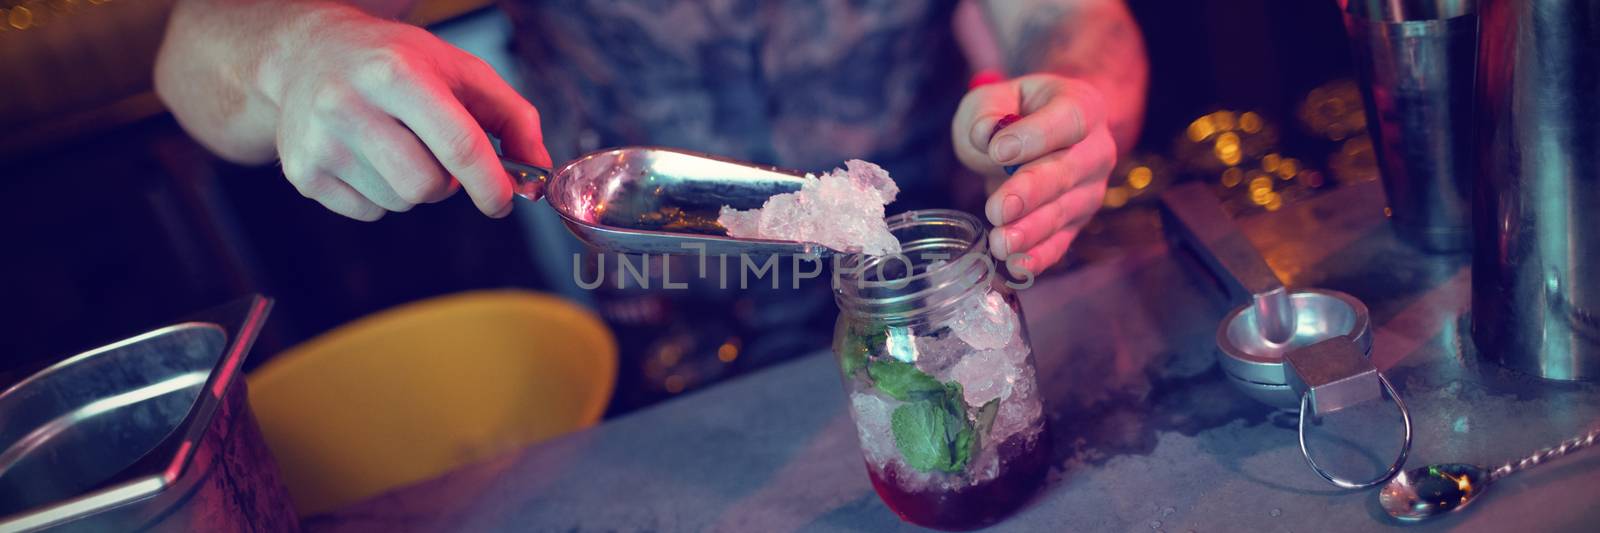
(1065, 152)
(378, 116)
(365, 114)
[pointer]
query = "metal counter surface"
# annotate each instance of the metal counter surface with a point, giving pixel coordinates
(1148, 435)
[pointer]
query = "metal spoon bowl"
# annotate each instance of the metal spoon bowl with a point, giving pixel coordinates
(659, 200)
(1421, 493)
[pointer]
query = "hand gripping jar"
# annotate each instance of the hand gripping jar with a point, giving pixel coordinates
(936, 360)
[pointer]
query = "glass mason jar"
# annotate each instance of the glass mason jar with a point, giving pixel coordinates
(936, 360)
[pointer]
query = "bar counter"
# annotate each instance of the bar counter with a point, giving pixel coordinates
(1147, 433)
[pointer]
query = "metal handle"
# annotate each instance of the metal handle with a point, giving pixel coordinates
(1194, 214)
(1332, 374)
(1394, 467)
(528, 180)
(1567, 446)
(1000, 125)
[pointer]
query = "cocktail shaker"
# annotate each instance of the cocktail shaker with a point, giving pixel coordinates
(1536, 209)
(1415, 61)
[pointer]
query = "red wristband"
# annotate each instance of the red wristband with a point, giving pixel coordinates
(985, 77)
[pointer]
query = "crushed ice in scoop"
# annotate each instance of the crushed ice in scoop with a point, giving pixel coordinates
(842, 210)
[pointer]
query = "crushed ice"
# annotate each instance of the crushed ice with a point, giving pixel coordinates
(842, 210)
(1020, 410)
(979, 353)
(986, 323)
(985, 375)
(995, 366)
(938, 353)
(872, 414)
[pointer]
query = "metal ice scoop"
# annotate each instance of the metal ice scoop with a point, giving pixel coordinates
(659, 200)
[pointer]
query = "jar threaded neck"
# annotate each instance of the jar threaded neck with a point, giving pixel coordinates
(944, 257)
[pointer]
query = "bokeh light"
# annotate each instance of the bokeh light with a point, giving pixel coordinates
(34, 14)
(1250, 122)
(20, 18)
(1288, 168)
(1232, 177)
(1139, 177)
(1201, 129)
(728, 351)
(1270, 162)
(1355, 161)
(1116, 197)
(1227, 149)
(1334, 110)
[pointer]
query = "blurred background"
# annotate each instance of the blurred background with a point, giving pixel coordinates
(113, 221)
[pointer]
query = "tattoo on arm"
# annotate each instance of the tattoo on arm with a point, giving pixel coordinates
(1095, 41)
(1085, 38)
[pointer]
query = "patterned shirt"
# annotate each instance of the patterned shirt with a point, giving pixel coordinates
(802, 84)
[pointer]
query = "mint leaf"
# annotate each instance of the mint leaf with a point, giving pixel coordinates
(858, 347)
(932, 431)
(985, 418)
(968, 441)
(954, 401)
(919, 433)
(958, 430)
(877, 339)
(852, 355)
(902, 381)
(965, 445)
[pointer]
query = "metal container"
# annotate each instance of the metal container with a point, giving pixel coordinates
(1415, 61)
(1252, 360)
(1536, 265)
(152, 433)
(1258, 366)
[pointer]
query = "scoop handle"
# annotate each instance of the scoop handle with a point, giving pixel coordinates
(1000, 125)
(528, 180)
(1194, 213)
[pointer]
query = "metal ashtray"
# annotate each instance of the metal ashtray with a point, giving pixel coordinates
(1257, 366)
(1306, 350)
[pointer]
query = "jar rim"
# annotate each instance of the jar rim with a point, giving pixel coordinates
(955, 237)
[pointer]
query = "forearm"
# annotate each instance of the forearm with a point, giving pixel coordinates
(1093, 40)
(220, 57)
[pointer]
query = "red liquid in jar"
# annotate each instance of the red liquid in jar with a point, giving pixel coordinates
(1022, 467)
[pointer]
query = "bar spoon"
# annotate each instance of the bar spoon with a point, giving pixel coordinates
(1433, 490)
